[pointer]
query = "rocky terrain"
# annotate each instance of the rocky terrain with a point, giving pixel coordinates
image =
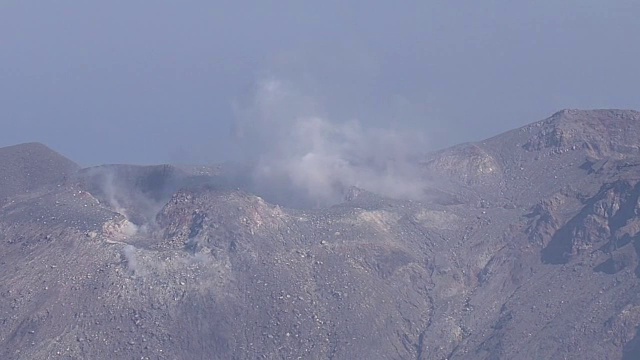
(525, 246)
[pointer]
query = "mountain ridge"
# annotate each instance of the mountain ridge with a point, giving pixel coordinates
(526, 245)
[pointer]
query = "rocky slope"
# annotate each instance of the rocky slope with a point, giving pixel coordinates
(524, 246)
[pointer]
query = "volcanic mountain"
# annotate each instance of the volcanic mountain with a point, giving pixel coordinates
(525, 246)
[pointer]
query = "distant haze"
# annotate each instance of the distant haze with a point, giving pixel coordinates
(155, 82)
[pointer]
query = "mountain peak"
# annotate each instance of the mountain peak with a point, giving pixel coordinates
(580, 114)
(602, 133)
(25, 167)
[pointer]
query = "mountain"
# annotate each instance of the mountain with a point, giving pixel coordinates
(525, 245)
(28, 167)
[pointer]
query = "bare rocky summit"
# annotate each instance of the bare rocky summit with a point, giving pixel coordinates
(525, 246)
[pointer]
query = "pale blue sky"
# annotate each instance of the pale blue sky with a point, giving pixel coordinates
(158, 81)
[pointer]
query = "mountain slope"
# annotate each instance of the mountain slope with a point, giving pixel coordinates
(525, 246)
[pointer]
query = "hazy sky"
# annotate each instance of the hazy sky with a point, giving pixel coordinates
(160, 81)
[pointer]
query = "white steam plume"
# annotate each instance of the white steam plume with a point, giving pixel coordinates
(112, 193)
(129, 253)
(303, 158)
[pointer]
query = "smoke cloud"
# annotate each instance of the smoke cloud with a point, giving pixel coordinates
(302, 158)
